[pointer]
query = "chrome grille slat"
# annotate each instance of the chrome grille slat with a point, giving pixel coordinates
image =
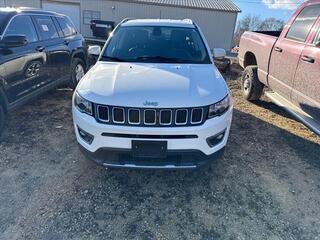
(130, 117)
(113, 115)
(146, 111)
(100, 118)
(186, 118)
(160, 117)
(192, 115)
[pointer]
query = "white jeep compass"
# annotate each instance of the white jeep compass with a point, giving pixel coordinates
(154, 99)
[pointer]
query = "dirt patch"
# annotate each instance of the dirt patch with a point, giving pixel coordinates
(267, 185)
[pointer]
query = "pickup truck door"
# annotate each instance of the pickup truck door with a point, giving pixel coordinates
(306, 91)
(287, 51)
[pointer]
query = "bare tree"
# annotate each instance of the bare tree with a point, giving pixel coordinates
(254, 23)
(247, 23)
(271, 24)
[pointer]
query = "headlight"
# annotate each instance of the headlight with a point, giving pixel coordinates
(82, 104)
(219, 108)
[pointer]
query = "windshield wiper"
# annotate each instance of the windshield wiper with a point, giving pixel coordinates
(161, 58)
(115, 59)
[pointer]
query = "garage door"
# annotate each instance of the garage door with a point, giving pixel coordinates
(71, 10)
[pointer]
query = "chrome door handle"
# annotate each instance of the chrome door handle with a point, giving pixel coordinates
(277, 49)
(308, 59)
(40, 49)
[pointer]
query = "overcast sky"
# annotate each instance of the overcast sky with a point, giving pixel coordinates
(268, 8)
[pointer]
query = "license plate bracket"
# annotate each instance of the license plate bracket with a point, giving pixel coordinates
(149, 149)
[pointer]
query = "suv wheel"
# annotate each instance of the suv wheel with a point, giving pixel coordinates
(2, 119)
(77, 72)
(251, 87)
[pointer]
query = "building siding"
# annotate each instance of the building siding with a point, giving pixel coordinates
(24, 3)
(218, 26)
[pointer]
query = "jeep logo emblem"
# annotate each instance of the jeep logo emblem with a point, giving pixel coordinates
(150, 104)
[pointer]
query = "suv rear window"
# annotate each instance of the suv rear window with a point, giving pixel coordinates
(301, 27)
(67, 26)
(46, 27)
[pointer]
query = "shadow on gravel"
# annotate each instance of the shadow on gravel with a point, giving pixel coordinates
(273, 108)
(50, 191)
(227, 199)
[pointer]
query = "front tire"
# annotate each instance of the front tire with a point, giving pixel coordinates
(2, 119)
(252, 88)
(77, 71)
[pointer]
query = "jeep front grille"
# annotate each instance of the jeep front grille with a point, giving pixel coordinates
(146, 117)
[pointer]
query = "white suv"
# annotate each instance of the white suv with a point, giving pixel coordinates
(154, 99)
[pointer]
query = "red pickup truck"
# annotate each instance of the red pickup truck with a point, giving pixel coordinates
(287, 63)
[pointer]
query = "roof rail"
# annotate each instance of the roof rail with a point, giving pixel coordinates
(126, 20)
(188, 20)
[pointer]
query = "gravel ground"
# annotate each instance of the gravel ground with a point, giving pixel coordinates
(267, 185)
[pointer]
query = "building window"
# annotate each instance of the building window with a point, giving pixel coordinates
(90, 15)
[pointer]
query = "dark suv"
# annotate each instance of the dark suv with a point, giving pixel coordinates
(39, 50)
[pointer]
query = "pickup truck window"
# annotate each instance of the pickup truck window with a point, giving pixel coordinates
(157, 45)
(301, 27)
(317, 38)
(22, 25)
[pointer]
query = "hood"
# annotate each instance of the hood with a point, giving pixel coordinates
(153, 85)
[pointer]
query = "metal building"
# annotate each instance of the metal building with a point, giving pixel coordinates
(217, 18)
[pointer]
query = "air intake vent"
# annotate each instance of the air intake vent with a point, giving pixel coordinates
(150, 117)
(165, 117)
(181, 116)
(134, 116)
(118, 115)
(197, 115)
(103, 113)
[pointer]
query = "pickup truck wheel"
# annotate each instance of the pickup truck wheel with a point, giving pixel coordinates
(2, 119)
(77, 72)
(252, 88)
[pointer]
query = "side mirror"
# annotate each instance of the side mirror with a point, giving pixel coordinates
(219, 53)
(318, 44)
(94, 50)
(14, 41)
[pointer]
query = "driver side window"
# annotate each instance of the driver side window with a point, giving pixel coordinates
(22, 25)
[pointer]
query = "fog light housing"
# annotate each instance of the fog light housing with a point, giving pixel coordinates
(216, 139)
(87, 137)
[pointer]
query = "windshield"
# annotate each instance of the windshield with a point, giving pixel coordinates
(156, 45)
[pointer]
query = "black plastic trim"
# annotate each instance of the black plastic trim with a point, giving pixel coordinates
(140, 136)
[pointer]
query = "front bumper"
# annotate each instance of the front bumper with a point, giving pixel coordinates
(112, 144)
(122, 158)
